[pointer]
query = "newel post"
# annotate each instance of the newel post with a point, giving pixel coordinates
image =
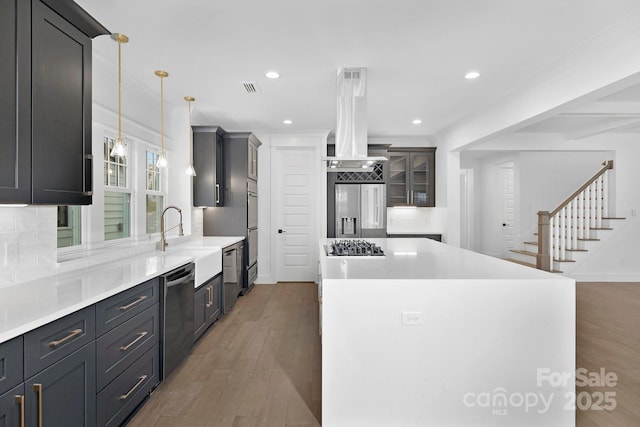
(543, 259)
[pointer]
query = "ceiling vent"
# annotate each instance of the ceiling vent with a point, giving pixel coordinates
(250, 88)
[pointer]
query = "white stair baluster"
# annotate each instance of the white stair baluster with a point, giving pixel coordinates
(581, 215)
(551, 246)
(554, 235)
(563, 232)
(605, 194)
(574, 223)
(592, 206)
(599, 202)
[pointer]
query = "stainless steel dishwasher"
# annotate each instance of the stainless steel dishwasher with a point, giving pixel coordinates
(177, 316)
(231, 275)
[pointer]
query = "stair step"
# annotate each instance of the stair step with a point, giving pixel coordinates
(583, 239)
(610, 217)
(521, 252)
(528, 264)
(563, 260)
(576, 250)
(517, 261)
(531, 243)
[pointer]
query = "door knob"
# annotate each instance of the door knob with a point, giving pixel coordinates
(504, 224)
(280, 231)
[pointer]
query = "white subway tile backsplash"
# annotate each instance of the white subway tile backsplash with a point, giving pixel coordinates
(7, 224)
(28, 242)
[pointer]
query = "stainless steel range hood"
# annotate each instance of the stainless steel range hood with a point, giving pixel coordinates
(351, 126)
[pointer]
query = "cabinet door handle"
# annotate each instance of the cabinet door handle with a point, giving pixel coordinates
(38, 389)
(140, 336)
(20, 401)
(88, 175)
(217, 193)
(140, 381)
(65, 339)
(138, 301)
(412, 197)
(210, 296)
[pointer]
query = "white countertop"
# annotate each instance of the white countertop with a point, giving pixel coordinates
(29, 305)
(420, 258)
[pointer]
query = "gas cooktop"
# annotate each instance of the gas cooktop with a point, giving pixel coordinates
(359, 248)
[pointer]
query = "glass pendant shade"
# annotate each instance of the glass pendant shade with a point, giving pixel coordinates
(118, 149)
(162, 161)
(190, 171)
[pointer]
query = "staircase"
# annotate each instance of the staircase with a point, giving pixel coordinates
(567, 233)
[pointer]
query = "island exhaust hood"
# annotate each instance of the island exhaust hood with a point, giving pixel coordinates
(351, 127)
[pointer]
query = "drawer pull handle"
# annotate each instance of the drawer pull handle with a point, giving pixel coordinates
(20, 401)
(38, 389)
(138, 301)
(140, 381)
(67, 338)
(140, 336)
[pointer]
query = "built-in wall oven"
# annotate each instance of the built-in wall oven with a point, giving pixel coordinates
(177, 316)
(252, 237)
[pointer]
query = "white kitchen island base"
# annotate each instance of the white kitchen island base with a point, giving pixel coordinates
(437, 335)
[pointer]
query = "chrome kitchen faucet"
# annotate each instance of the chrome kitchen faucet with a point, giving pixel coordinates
(163, 239)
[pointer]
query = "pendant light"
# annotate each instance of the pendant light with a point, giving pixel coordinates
(190, 171)
(118, 149)
(162, 160)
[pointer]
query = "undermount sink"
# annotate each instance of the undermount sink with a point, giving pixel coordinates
(208, 261)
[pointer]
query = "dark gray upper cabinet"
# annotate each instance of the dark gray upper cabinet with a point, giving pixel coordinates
(15, 102)
(45, 121)
(208, 162)
(410, 177)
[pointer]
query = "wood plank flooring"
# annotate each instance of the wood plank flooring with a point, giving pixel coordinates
(258, 366)
(608, 336)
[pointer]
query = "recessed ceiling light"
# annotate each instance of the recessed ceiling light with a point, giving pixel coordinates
(416, 121)
(287, 122)
(272, 75)
(472, 75)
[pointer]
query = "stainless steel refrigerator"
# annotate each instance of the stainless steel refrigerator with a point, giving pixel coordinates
(360, 210)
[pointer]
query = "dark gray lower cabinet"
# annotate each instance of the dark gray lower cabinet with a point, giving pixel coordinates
(65, 391)
(11, 364)
(208, 305)
(117, 401)
(10, 407)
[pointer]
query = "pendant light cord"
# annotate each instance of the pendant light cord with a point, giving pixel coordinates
(162, 114)
(119, 91)
(190, 136)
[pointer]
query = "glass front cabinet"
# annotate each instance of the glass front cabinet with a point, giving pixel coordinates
(411, 177)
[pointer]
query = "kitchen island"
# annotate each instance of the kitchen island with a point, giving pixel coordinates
(431, 334)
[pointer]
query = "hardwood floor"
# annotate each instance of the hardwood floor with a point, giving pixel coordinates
(258, 366)
(608, 336)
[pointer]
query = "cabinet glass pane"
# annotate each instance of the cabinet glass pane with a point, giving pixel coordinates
(117, 215)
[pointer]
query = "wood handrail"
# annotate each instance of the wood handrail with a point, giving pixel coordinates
(607, 165)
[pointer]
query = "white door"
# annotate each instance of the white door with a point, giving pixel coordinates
(294, 173)
(507, 211)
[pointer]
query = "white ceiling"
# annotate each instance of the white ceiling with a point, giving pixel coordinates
(416, 52)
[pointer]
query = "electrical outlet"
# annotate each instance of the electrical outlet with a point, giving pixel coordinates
(411, 318)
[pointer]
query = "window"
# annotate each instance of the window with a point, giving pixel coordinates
(154, 197)
(69, 226)
(117, 215)
(117, 198)
(115, 168)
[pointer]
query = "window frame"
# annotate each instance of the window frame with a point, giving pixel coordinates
(161, 183)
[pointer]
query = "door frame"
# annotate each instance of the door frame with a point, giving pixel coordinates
(317, 142)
